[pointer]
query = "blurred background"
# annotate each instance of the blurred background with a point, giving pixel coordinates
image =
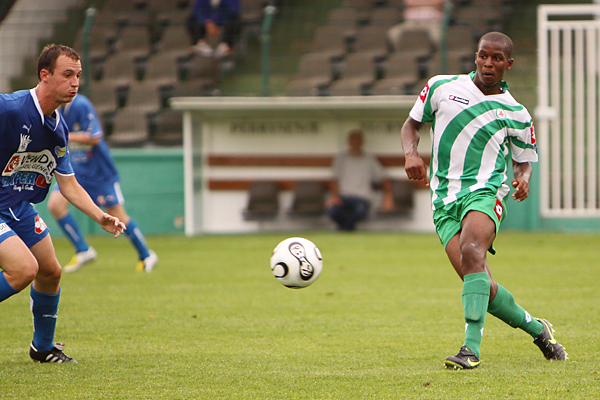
(138, 54)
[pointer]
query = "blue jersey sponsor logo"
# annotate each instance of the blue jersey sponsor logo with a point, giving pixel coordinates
(24, 171)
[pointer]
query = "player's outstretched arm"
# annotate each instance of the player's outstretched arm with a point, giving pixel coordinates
(76, 195)
(413, 165)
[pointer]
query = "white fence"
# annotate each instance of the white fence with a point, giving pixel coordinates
(568, 113)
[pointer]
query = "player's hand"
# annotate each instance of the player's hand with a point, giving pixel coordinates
(112, 224)
(522, 189)
(416, 169)
(212, 29)
(333, 201)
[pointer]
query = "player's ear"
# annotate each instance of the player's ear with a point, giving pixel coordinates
(44, 73)
(509, 63)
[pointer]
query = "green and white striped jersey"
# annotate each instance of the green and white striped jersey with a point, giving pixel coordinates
(473, 137)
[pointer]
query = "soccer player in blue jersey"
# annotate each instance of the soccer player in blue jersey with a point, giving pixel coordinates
(96, 172)
(478, 130)
(33, 151)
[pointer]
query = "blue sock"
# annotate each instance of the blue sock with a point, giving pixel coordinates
(134, 234)
(5, 289)
(44, 308)
(71, 230)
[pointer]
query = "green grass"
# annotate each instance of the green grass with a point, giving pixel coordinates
(211, 322)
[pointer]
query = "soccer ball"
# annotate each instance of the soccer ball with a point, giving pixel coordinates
(296, 262)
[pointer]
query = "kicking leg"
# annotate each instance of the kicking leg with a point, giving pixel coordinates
(502, 305)
(147, 258)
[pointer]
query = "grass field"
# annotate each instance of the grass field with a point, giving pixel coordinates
(211, 322)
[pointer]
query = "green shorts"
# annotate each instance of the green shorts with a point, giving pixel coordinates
(448, 218)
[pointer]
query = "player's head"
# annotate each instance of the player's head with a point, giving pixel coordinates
(50, 55)
(59, 70)
(493, 58)
(498, 37)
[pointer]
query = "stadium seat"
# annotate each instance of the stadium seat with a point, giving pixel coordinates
(144, 96)
(344, 16)
(373, 40)
(314, 76)
(130, 128)
(174, 38)
(358, 76)
(135, 40)
(333, 40)
(457, 62)
(462, 38)
(402, 192)
(363, 7)
(168, 4)
(385, 16)
(483, 18)
(417, 40)
(124, 4)
(167, 128)
(104, 98)
(162, 69)
(309, 199)
(101, 40)
(201, 77)
(402, 70)
(119, 70)
(263, 201)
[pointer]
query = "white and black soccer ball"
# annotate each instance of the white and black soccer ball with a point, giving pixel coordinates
(296, 262)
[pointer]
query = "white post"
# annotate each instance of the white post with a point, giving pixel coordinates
(188, 171)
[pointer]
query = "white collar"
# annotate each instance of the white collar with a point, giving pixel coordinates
(39, 108)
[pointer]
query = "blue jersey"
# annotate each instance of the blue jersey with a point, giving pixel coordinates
(32, 147)
(93, 165)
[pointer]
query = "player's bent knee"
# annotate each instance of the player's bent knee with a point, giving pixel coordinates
(24, 275)
(472, 258)
(50, 274)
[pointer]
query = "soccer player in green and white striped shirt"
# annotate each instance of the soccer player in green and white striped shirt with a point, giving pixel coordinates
(477, 130)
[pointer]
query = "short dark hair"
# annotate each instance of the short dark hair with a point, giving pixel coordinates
(50, 54)
(498, 37)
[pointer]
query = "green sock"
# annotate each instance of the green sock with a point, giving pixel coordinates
(506, 309)
(475, 299)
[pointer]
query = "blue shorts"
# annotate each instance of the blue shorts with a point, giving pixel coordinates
(22, 220)
(105, 195)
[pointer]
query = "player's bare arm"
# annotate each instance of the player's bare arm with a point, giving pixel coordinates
(522, 173)
(83, 138)
(335, 197)
(72, 191)
(414, 165)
